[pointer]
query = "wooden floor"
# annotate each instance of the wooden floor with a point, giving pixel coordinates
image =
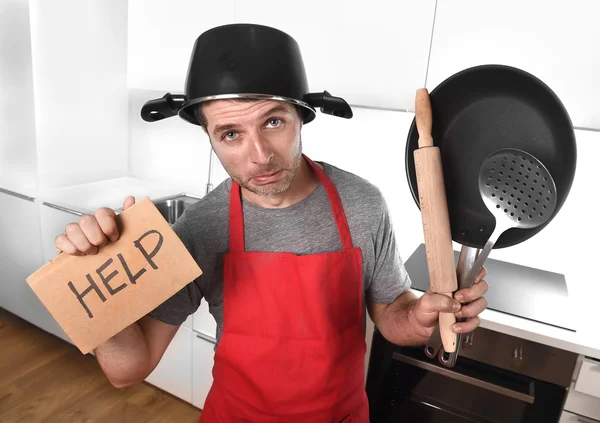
(44, 379)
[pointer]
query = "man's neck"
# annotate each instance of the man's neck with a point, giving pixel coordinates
(305, 181)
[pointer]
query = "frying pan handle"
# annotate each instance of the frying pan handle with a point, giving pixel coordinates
(161, 108)
(329, 104)
(423, 117)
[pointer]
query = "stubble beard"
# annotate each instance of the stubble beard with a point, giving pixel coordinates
(283, 186)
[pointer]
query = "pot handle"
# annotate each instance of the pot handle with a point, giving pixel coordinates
(161, 108)
(329, 104)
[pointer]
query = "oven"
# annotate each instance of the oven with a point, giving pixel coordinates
(496, 379)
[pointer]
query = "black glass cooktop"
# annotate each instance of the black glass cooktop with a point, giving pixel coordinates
(522, 291)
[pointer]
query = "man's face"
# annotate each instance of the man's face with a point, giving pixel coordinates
(258, 142)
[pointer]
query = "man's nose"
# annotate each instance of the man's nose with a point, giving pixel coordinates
(261, 152)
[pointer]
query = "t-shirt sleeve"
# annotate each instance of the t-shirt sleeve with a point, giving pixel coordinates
(175, 310)
(389, 279)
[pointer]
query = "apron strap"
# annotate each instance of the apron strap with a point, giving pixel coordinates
(336, 205)
(236, 218)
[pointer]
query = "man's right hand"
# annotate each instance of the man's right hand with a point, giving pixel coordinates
(91, 232)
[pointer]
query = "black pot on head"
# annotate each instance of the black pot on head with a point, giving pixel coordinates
(245, 61)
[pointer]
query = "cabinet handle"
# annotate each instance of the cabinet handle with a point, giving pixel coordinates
(206, 338)
(16, 194)
(528, 398)
(64, 209)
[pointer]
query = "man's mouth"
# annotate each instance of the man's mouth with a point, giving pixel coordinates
(267, 177)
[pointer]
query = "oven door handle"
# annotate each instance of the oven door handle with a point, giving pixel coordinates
(525, 397)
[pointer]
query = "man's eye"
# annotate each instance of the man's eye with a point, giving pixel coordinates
(274, 123)
(230, 135)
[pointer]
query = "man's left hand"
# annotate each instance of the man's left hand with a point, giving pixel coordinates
(428, 307)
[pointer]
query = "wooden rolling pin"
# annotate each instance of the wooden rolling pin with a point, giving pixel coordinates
(434, 213)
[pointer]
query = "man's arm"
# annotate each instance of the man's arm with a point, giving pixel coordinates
(410, 320)
(131, 355)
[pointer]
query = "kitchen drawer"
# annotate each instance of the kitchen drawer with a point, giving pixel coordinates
(588, 381)
(582, 404)
(567, 417)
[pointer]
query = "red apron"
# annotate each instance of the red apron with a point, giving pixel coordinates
(292, 348)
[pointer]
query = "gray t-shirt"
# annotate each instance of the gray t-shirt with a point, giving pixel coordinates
(307, 227)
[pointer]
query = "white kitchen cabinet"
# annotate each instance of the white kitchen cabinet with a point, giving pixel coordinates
(18, 161)
(203, 360)
(161, 36)
(174, 371)
(371, 53)
(588, 380)
(79, 65)
(555, 41)
(20, 256)
(203, 321)
(582, 398)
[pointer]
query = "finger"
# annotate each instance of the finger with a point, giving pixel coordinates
(481, 274)
(92, 230)
(63, 244)
(129, 201)
(434, 303)
(471, 294)
(106, 220)
(467, 326)
(473, 309)
(79, 240)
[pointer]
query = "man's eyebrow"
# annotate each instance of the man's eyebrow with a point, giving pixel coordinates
(224, 127)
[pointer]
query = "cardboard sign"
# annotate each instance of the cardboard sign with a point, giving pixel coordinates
(94, 297)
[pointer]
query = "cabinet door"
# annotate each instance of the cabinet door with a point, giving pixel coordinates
(371, 53)
(203, 359)
(555, 41)
(174, 372)
(20, 256)
(161, 36)
(79, 51)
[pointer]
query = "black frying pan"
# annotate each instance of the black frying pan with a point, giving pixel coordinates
(483, 109)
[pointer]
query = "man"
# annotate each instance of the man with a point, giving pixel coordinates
(293, 252)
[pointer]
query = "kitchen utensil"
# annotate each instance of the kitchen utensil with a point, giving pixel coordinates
(434, 214)
(481, 110)
(520, 192)
(245, 61)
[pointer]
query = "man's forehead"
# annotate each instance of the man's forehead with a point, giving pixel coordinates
(245, 105)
